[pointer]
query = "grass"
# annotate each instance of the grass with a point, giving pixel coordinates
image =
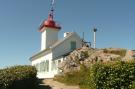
(121, 52)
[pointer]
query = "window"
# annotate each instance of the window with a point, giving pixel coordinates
(73, 45)
(54, 65)
(43, 66)
(47, 65)
(59, 61)
(59, 70)
(37, 67)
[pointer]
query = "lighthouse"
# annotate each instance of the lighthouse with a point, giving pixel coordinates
(53, 50)
(49, 30)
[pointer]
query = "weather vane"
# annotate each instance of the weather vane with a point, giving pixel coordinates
(52, 8)
(53, 2)
(52, 5)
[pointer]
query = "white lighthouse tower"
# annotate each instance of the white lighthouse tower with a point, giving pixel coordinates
(53, 51)
(49, 31)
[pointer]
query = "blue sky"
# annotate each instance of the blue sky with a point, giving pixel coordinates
(20, 19)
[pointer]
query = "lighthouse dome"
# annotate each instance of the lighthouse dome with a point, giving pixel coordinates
(50, 23)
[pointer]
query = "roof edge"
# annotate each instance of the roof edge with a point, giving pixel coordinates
(40, 54)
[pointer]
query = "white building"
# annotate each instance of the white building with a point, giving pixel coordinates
(53, 50)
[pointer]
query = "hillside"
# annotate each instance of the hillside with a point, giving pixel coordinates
(108, 68)
(88, 56)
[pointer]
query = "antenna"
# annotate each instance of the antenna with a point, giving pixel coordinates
(52, 8)
(84, 42)
(94, 38)
(52, 5)
(83, 36)
(82, 39)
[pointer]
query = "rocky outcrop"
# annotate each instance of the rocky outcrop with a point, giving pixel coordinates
(87, 56)
(130, 54)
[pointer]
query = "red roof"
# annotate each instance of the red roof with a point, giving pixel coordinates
(50, 23)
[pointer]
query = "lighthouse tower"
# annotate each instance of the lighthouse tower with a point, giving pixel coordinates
(49, 30)
(52, 51)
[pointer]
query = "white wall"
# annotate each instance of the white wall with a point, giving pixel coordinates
(65, 46)
(46, 57)
(48, 37)
(61, 49)
(51, 72)
(41, 59)
(57, 62)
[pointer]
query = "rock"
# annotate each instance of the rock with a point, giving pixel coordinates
(86, 56)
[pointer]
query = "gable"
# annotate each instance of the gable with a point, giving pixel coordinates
(69, 44)
(61, 47)
(40, 54)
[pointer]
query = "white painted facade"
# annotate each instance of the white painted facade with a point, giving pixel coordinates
(48, 37)
(40, 60)
(52, 51)
(65, 46)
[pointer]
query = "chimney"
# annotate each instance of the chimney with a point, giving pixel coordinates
(66, 34)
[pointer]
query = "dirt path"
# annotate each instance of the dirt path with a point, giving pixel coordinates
(57, 85)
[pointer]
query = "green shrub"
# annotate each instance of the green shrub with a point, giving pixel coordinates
(18, 77)
(74, 78)
(69, 78)
(114, 75)
(77, 78)
(110, 75)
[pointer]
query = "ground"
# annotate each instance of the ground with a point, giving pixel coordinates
(51, 84)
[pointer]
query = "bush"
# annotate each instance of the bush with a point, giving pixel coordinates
(76, 78)
(18, 77)
(73, 78)
(110, 75)
(116, 75)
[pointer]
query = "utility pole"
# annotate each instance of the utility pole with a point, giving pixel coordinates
(82, 39)
(94, 38)
(84, 42)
